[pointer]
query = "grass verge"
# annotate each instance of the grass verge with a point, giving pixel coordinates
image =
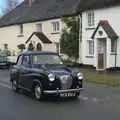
(94, 77)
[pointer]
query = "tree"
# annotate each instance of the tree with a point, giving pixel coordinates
(69, 40)
(21, 47)
(10, 4)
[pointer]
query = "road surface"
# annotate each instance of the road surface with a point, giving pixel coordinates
(97, 102)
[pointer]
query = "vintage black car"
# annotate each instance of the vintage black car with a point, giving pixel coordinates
(44, 73)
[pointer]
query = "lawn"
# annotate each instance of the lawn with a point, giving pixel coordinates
(92, 76)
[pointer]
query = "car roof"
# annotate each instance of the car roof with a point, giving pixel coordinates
(37, 52)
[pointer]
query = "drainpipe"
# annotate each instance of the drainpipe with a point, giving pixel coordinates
(80, 38)
(116, 55)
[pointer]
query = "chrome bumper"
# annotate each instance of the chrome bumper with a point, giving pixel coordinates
(63, 91)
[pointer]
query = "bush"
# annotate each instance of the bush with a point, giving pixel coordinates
(70, 63)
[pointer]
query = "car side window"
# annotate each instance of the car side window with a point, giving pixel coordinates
(19, 62)
(26, 60)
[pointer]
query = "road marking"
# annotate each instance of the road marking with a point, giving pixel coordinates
(84, 98)
(4, 85)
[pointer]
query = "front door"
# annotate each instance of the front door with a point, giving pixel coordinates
(101, 54)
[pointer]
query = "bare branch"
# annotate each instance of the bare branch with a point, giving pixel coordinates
(10, 4)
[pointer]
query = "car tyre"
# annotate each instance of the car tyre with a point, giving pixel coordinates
(38, 93)
(15, 86)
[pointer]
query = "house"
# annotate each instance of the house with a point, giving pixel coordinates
(100, 43)
(36, 23)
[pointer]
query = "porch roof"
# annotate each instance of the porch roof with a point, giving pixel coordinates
(107, 28)
(41, 36)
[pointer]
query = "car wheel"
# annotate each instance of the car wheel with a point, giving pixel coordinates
(38, 92)
(15, 86)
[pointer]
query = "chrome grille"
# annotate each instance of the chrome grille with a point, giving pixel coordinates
(66, 81)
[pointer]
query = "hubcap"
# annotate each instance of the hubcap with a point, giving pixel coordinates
(37, 92)
(14, 85)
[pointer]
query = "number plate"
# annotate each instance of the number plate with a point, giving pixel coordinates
(67, 94)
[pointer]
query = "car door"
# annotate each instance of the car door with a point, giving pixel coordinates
(15, 70)
(25, 73)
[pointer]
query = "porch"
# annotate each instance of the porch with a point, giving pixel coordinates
(105, 46)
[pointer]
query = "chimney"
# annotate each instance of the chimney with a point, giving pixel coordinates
(29, 2)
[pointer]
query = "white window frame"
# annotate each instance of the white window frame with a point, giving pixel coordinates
(90, 19)
(113, 48)
(21, 29)
(90, 43)
(55, 26)
(39, 27)
(59, 51)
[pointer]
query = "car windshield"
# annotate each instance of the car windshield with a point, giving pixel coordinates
(46, 59)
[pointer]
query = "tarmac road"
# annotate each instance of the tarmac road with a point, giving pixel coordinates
(97, 102)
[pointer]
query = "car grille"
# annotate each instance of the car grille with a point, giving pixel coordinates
(66, 81)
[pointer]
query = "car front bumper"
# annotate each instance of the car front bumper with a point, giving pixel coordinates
(63, 91)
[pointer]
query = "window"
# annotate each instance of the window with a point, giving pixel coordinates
(21, 29)
(91, 47)
(113, 45)
(39, 27)
(46, 59)
(19, 60)
(57, 47)
(26, 60)
(90, 18)
(56, 26)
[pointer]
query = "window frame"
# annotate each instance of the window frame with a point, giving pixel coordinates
(90, 19)
(56, 27)
(113, 48)
(90, 53)
(18, 60)
(58, 43)
(21, 29)
(37, 27)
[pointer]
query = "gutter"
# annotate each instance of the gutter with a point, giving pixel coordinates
(116, 55)
(80, 36)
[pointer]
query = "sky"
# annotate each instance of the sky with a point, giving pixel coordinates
(2, 5)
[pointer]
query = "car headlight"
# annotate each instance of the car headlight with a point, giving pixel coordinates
(80, 76)
(51, 77)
